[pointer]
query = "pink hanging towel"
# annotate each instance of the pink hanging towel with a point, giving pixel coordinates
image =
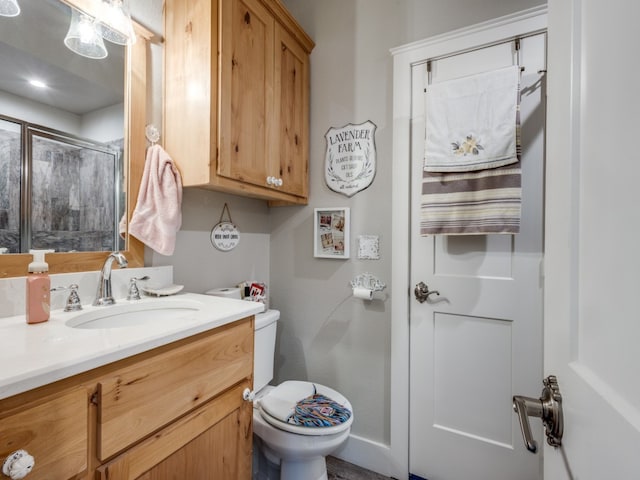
(157, 216)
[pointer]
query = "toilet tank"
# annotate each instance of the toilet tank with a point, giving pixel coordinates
(264, 345)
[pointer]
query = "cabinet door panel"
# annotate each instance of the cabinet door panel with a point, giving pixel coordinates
(291, 148)
(212, 442)
(137, 400)
(246, 91)
(53, 432)
(191, 90)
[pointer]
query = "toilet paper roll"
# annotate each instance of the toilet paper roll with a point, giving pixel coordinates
(363, 293)
(225, 292)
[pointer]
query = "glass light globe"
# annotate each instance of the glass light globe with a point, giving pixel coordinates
(9, 8)
(85, 36)
(115, 18)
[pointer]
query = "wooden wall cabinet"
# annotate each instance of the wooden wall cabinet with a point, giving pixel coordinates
(236, 100)
(173, 412)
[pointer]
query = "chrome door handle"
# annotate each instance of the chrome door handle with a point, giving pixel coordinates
(422, 292)
(548, 407)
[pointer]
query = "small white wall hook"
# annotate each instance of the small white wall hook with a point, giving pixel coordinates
(152, 134)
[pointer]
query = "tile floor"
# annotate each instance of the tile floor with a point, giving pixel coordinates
(340, 470)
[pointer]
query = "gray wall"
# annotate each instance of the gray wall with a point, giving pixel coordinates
(325, 335)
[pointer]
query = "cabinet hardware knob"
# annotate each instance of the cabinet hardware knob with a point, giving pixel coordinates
(248, 395)
(275, 182)
(18, 465)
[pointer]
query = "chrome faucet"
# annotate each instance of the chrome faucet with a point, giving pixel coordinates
(103, 295)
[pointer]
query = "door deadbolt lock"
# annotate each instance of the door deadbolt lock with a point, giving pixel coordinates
(548, 407)
(422, 292)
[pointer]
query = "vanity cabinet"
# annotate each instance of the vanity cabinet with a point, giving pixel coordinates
(176, 411)
(236, 103)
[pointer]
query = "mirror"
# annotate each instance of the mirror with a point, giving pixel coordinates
(99, 107)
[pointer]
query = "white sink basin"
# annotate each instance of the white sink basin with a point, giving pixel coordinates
(134, 314)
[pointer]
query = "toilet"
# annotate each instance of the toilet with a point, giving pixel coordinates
(300, 451)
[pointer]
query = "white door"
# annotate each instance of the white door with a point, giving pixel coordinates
(480, 341)
(592, 259)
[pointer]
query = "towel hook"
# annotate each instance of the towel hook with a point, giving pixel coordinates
(152, 134)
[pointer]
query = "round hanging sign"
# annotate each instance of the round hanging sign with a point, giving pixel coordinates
(225, 236)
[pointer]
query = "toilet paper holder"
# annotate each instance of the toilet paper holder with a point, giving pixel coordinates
(368, 281)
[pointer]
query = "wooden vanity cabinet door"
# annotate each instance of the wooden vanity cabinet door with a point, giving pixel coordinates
(54, 432)
(211, 443)
(139, 399)
(246, 99)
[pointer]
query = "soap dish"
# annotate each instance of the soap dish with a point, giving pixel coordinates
(162, 291)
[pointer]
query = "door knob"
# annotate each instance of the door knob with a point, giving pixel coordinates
(422, 292)
(548, 407)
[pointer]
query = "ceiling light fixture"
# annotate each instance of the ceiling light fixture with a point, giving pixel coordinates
(115, 18)
(85, 36)
(37, 83)
(9, 8)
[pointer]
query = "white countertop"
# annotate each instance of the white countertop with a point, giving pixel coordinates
(35, 355)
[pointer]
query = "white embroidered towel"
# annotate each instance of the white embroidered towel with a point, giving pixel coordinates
(157, 216)
(471, 122)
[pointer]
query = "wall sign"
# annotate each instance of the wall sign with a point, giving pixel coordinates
(350, 160)
(225, 235)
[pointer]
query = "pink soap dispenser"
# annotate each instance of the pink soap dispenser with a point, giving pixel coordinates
(38, 288)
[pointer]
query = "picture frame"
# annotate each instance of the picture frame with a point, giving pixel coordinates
(331, 233)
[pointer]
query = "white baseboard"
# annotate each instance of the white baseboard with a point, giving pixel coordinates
(371, 455)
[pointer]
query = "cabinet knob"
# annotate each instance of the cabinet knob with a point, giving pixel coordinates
(18, 465)
(248, 395)
(274, 182)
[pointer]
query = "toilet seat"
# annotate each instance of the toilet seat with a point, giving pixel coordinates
(276, 406)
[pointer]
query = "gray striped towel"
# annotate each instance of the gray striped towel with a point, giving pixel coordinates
(481, 202)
